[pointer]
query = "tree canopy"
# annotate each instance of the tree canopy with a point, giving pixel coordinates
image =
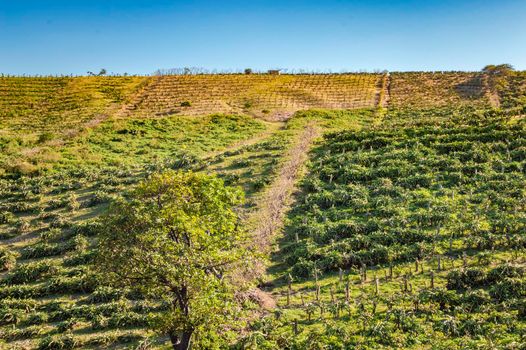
(176, 239)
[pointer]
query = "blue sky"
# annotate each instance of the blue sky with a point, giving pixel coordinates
(74, 36)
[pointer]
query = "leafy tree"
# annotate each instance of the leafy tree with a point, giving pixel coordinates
(499, 69)
(176, 238)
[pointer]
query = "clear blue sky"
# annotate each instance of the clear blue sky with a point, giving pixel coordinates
(74, 36)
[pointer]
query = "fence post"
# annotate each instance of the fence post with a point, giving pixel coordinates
(289, 290)
(295, 327)
(347, 289)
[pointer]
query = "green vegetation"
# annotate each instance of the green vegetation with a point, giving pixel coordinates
(177, 240)
(406, 229)
(415, 233)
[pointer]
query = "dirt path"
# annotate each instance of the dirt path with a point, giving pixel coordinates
(267, 220)
(381, 99)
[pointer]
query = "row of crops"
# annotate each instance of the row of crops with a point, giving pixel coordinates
(257, 94)
(49, 297)
(411, 237)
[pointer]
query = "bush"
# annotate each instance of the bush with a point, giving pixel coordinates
(6, 217)
(104, 294)
(22, 225)
(186, 104)
(464, 279)
(30, 272)
(73, 203)
(7, 259)
(58, 342)
(508, 288)
(46, 136)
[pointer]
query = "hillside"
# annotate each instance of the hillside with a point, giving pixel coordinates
(389, 207)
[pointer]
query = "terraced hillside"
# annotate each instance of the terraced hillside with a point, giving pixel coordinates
(431, 90)
(407, 238)
(404, 228)
(37, 115)
(257, 94)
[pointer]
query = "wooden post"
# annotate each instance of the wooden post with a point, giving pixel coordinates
(302, 300)
(405, 283)
(364, 273)
(296, 237)
(390, 270)
(289, 290)
(347, 289)
(416, 266)
(295, 327)
(464, 260)
(317, 284)
(377, 285)
(439, 267)
(432, 274)
(332, 294)
(340, 275)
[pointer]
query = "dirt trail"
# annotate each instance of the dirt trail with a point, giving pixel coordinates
(267, 220)
(274, 202)
(382, 94)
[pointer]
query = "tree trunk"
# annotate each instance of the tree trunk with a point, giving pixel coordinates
(181, 341)
(174, 339)
(186, 340)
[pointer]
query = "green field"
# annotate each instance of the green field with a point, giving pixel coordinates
(392, 205)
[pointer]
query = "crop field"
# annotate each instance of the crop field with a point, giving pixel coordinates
(258, 94)
(385, 210)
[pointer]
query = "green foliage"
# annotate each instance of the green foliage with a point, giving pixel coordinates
(177, 238)
(7, 259)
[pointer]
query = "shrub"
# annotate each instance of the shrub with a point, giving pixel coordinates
(186, 104)
(6, 217)
(87, 228)
(37, 318)
(7, 259)
(464, 279)
(30, 272)
(50, 234)
(508, 288)
(100, 197)
(58, 342)
(104, 294)
(73, 203)
(22, 225)
(79, 259)
(41, 250)
(46, 136)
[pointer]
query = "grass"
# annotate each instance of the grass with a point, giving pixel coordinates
(79, 143)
